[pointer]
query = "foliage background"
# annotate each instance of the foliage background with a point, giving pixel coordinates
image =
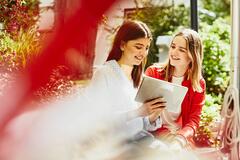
(18, 15)
(19, 39)
(20, 43)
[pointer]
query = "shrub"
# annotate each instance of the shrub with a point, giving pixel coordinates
(221, 8)
(16, 53)
(18, 15)
(210, 117)
(216, 67)
(20, 43)
(216, 63)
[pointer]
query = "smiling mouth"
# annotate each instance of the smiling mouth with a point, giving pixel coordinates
(139, 58)
(175, 58)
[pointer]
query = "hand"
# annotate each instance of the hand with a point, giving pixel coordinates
(178, 143)
(155, 115)
(155, 105)
(175, 145)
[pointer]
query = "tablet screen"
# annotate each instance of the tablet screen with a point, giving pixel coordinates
(152, 88)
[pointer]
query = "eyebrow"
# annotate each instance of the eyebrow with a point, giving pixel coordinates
(139, 44)
(180, 46)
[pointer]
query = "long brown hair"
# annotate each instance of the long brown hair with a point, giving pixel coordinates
(194, 45)
(130, 30)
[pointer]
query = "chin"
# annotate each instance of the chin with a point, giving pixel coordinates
(137, 64)
(173, 63)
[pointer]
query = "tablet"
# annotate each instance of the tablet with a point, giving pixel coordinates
(151, 88)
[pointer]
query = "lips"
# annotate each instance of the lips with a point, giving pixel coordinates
(139, 57)
(175, 58)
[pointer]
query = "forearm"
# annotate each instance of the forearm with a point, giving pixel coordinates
(133, 114)
(186, 132)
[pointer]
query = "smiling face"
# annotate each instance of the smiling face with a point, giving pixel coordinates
(134, 51)
(179, 53)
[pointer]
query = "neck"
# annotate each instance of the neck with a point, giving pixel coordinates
(127, 69)
(179, 72)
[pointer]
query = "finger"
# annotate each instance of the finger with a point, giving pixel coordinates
(152, 111)
(156, 100)
(157, 111)
(159, 105)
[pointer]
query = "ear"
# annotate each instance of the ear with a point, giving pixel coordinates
(122, 45)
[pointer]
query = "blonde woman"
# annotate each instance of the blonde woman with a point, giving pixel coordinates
(183, 67)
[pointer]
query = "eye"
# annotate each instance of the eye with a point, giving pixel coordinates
(138, 47)
(182, 50)
(172, 46)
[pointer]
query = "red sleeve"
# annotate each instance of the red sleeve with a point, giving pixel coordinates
(149, 71)
(153, 71)
(192, 122)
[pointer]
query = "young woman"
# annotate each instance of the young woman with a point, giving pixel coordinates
(183, 67)
(119, 78)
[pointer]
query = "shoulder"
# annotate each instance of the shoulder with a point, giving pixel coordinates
(201, 86)
(101, 72)
(203, 83)
(155, 70)
(104, 68)
(107, 71)
(99, 81)
(100, 69)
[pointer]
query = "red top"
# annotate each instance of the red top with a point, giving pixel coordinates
(191, 106)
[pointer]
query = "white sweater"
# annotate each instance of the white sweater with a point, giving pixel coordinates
(112, 85)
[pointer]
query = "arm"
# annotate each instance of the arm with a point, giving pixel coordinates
(150, 111)
(98, 85)
(154, 72)
(191, 123)
(100, 90)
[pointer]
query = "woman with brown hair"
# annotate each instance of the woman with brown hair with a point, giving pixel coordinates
(118, 79)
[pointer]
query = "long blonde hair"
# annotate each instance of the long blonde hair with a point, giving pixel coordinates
(194, 45)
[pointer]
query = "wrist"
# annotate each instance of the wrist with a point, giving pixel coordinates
(153, 118)
(181, 139)
(152, 122)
